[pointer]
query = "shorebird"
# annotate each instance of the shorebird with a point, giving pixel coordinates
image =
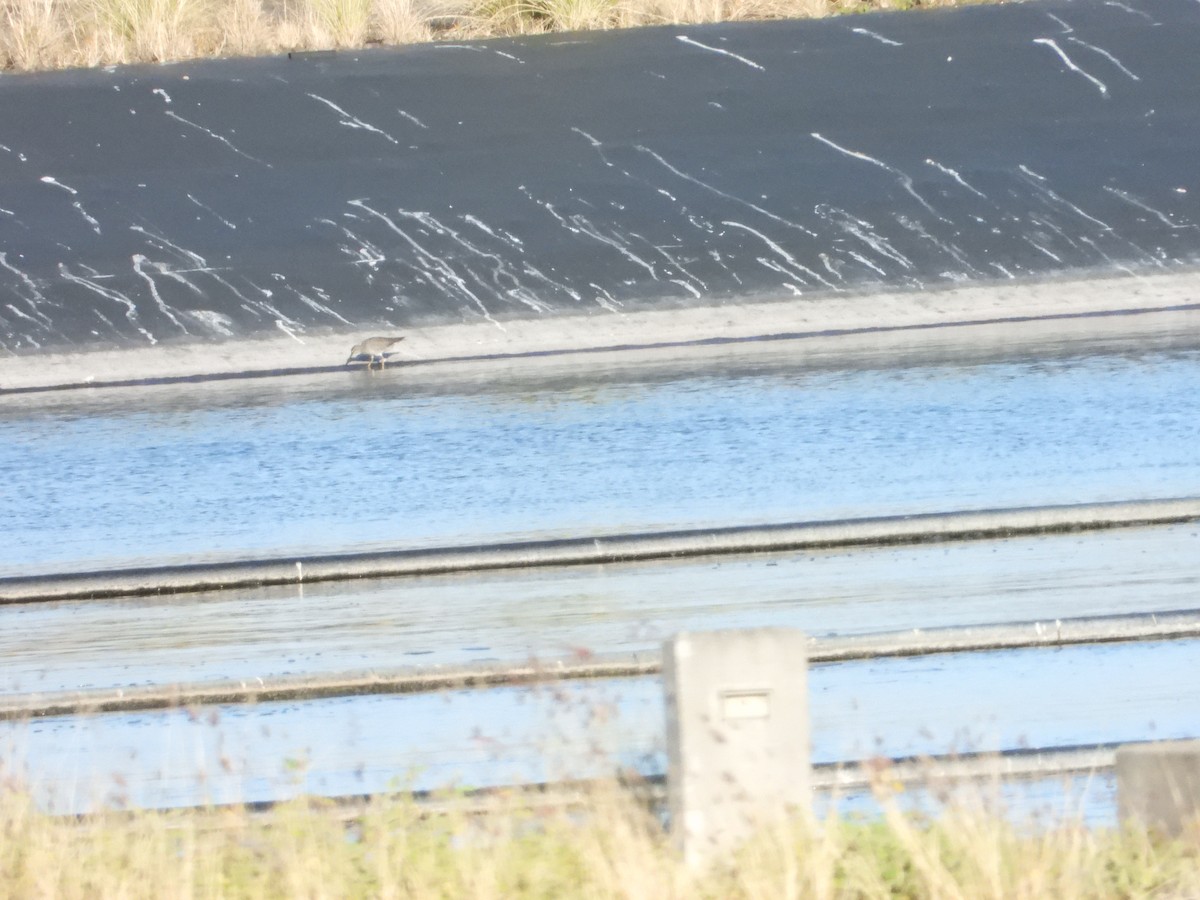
(375, 349)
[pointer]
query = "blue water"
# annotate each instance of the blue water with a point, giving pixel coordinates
(514, 616)
(974, 702)
(204, 471)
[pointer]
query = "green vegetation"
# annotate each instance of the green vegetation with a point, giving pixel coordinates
(611, 848)
(52, 34)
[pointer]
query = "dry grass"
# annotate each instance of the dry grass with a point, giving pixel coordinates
(33, 34)
(246, 29)
(401, 22)
(614, 848)
(676, 12)
(50, 34)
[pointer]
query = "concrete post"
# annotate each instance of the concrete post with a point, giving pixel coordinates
(1158, 784)
(737, 734)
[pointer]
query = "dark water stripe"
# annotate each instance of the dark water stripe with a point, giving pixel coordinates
(823, 651)
(881, 530)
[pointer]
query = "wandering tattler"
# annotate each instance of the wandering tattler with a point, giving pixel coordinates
(374, 349)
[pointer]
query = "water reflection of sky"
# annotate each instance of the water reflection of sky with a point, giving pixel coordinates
(195, 474)
(117, 483)
(547, 614)
(345, 746)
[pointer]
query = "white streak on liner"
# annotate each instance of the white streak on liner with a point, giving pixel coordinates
(878, 37)
(828, 264)
(279, 323)
(865, 232)
(591, 140)
(720, 193)
(780, 270)
(502, 273)
(438, 265)
(29, 282)
(47, 179)
(115, 296)
(1112, 59)
(582, 225)
(1134, 201)
(1057, 199)
(319, 307)
(178, 276)
(1066, 29)
(661, 250)
(20, 315)
(1074, 68)
(609, 302)
(195, 258)
(905, 181)
(363, 252)
(1033, 243)
(216, 137)
(946, 170)
(413, 119)
(213, 320)
(138, 262)
(597, 145)
(949, 249)
(751, 63)
(507, 238)
(865, 261)
(791, 260)
(32, 300)
(546, 279)
(219, 218)
(691, 289)
(1129, 9)
(166, 97)
(352, 121)
(90, 220)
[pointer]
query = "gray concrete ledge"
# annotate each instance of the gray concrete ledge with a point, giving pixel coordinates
(600, 549)
(34, 381)
(1170, 625)
(829, 778)
(840, 777)
(1015, 636)
(1158, 785)
(918, 771)
(1031, 314)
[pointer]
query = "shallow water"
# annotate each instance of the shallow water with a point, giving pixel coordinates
(892, 707)
(207, 471)
(514, 616)
(202, 471)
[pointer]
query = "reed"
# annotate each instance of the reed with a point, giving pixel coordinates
(33, 34)
(402, 21)
(609, 847)
(122, 31)
(51, 34)
(245, 28)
